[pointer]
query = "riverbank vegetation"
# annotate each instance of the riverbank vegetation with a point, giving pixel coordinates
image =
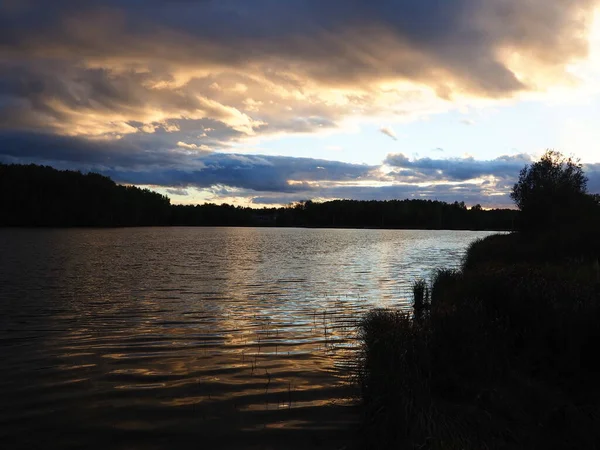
(503, 353)
(40, 196)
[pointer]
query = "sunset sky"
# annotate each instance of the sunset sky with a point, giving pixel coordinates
(266, 102)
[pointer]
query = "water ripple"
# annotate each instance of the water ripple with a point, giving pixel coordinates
(141, 338)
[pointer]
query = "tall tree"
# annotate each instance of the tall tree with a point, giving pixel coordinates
(551, 193)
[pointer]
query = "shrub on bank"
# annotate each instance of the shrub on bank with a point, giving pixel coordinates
(579, 247)
(504, 356)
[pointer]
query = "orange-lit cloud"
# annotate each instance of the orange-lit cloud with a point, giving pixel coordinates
(93, 68)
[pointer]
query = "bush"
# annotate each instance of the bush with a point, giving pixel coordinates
(505, 356)
(549, 247)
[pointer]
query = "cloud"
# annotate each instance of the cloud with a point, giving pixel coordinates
(111, 67)
(327, 41)
(178, 192)
(251, 172)
(458, 169)
(266, 179)
(83, 153)
(176, 167)
(397, 159)
(202, 147)
(467, 122)
(389, 132)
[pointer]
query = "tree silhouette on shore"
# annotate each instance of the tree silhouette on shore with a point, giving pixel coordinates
(551, 194)
(32, 195)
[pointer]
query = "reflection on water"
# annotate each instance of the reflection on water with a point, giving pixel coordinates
(144, 338)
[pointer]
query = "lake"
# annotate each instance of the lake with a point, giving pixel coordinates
(150, 338)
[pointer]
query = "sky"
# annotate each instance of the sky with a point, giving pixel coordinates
(267, 102)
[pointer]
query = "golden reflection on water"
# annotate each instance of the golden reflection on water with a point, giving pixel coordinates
(174, 333)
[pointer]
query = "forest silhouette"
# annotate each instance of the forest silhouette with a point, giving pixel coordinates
(41, 196)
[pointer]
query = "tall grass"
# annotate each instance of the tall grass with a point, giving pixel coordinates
(421, 298)
(498, 355)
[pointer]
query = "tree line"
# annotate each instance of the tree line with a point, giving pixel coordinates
(41, 196)
(33, 195)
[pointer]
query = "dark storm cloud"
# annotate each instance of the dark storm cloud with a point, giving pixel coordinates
(84, 153)
(335, 41)
(115, 68)
(178, 167)
(458, 169)
(252, 68)
(55, 96)
(253, 172)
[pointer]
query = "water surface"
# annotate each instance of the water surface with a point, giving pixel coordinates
(216, 337)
